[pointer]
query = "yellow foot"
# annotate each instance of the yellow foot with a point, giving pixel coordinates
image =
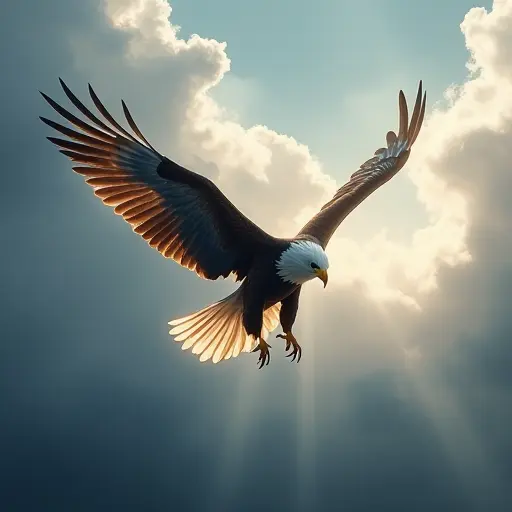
(291, 342)
(263, 347)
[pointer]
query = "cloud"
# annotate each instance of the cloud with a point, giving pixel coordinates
(253, 166)
(462, 170)
(278, 182)
(460, 342)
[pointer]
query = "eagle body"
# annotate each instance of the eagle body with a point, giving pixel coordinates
(268, 296)
(264, 288)
(185, 217)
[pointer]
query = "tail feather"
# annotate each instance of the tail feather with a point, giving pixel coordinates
(217, 332)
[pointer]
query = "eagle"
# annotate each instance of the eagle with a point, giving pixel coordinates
(185, 217)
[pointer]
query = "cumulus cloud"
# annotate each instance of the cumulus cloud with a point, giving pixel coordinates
(256, 167)
(461, 168)
(465, 180)
(253, 166)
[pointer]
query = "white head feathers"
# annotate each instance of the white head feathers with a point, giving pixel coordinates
(301, 261)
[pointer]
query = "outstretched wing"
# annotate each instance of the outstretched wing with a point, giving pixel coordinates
(178, 212)
(372, 174)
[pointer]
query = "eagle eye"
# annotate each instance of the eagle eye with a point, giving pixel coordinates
(314, 266)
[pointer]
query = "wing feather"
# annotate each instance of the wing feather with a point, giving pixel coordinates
(372, 174)
(180, 213)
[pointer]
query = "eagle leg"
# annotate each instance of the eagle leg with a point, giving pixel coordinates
(291, 342)
(263, 347)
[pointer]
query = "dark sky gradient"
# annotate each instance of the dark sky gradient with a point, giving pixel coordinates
(102, 412)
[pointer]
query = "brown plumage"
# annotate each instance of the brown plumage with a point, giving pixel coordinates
(372, 174)
(188, 219)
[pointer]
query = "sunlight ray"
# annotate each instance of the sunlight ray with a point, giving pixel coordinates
(246, 399)
(460, 443)
(306, 412)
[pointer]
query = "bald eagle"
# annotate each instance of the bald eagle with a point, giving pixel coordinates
(188, 219)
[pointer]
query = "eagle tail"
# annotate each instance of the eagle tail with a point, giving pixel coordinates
(217, 332)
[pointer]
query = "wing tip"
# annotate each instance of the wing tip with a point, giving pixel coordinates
(46, 97)
(92, 92)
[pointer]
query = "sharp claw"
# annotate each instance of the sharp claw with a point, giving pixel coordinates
(291, 344)
(264, 358)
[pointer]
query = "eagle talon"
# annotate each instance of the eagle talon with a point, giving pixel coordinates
(264, 358)
(291, 343)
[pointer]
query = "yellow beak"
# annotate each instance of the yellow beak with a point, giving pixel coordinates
(322, 275)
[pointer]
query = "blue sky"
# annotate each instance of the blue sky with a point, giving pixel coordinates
(328, 73)
(290, 52)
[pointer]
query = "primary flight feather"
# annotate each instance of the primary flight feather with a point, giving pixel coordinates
(187, 218)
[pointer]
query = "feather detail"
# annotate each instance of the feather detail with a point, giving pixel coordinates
(217, 333)
(294, 265)
(180, 213)
(372, 174)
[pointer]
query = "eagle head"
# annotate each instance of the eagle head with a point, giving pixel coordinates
(302, 261)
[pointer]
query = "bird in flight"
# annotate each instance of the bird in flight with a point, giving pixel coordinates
(187, 218)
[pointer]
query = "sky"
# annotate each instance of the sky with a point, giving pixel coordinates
(401, 399)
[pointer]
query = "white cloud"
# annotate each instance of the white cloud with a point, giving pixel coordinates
(253, 166)
(256, 166)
